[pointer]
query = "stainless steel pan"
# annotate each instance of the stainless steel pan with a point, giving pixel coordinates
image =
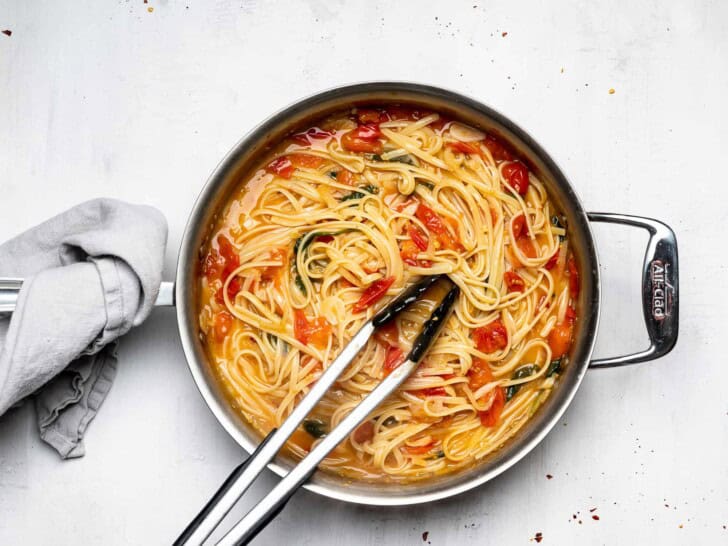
(659, 283)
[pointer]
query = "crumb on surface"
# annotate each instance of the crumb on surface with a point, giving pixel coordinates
(7, 32)
(504, 34)
(612, 91)
(425, 534)
(150, 9)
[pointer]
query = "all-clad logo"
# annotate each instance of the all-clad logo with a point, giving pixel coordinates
(662, 290)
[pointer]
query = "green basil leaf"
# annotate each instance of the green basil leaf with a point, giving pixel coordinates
(520, 373)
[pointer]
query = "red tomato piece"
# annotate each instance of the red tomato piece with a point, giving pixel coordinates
(364, 432)
(419, 450)
(388, 334)
(560, 339)
(364, 138)
(471, 148)
(479, 374)
(435, 223)
(213, 265)
(234, 287)
(516, 174)
(552, 260)
(230, 255)
(491, 337)
(433, 391)
(497, 149)
(306, 160)
(526, 246)
(325, 239)
(519, 226)
(281, 166)
(514, 282)
(418, 238)
(570, 314)
(491, 416)
(573, 277)
(409, 252)
(392, 359)
(373, 294)
(316, 332)
(345, 177)
(223, 323)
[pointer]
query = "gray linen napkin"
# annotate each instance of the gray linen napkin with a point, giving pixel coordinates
(90, 273)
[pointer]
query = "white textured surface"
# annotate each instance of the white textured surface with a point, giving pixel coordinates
(105, 98)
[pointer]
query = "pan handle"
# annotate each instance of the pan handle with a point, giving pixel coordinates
(660, 299)
(10, 288)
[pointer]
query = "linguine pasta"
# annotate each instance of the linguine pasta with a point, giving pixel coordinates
(339, 219)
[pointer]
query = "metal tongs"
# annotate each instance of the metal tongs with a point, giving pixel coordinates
(241, 478)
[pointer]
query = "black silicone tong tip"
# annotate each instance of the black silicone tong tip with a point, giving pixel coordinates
(433, 325)
(405, 299)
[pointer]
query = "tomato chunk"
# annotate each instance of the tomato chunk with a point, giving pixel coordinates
(560, 339)
(345, 177)
(552, 260)
(419, 450)
(491, 337)
(516, 174)
(418, 238)
(373, 294)
(514, 282)
(229, 254)
(491, 416)
(409, 253)
(388, 334)
(234, 286)
(307, 331)
(222, 326)
(364, 432)
(526, 246)
(392, 359)
(213, 265)
(306, 160)
(433, 391)
(471, 148)
(497, 149)
(520, 227)
(479, 374)
(435, 223)
(281, 166)
(573, 277)
(364, 138)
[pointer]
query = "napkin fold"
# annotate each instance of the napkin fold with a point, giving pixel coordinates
(91, 274)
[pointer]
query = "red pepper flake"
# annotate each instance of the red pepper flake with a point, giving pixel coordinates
(595, 517)
(538, 537)
(504, 34)
(425, 535)
(592, 509)
(8, 32)
(549, 476)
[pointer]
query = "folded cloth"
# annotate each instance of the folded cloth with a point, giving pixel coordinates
(90, 273)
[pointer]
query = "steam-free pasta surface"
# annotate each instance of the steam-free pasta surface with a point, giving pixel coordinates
(336, 221)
